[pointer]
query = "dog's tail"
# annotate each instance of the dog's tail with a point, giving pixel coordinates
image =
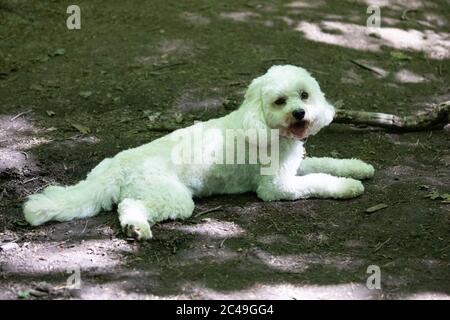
(99, 191)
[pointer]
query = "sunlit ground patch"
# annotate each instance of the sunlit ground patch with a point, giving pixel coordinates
(305, 4)
(298, 263)
(239, 16)
(284, 291)
(436, 45)
(210, 227)
(407, 76)
(94, 254)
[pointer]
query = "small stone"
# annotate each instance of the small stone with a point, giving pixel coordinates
(447, 127)
(376, 208)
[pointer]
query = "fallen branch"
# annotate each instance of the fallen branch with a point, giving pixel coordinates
(435, 118)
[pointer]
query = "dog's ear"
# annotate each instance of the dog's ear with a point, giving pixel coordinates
(326, 117)
(254, 89)
(253, 106)
(329, 113)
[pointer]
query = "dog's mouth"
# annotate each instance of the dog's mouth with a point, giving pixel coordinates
(299, 129)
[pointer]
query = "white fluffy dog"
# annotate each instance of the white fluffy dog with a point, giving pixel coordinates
(149, 185)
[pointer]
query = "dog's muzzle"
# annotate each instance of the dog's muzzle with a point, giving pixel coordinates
(299, 129)
(298, 114)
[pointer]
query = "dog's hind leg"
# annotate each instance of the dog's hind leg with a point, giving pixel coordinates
(152, 200)
(349, 168)
(133, 217)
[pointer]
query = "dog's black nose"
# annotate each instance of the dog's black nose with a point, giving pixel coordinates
(298, 114)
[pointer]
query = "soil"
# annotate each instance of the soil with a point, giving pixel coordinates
(137, 69)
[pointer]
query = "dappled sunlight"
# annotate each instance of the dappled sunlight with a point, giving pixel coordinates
(407, 76)
(239, 16)
(195, 19)
(289, 292)
(313, 31)
(351, 77)
(390, 21)
(166, 50)
(205, 253)
(298, 263)
(211, 227)
(16, 136)
(57, 257)
(436, 45)
(71, 103)
(399, 4)
(147, 60)
(119, 289)
(12, 159)
(11, 127)
(337, 17)
(436, 19)
(194, 100)
(340, 31)
(305, 4)
(427, 296)
(289, 21)
(176, 46)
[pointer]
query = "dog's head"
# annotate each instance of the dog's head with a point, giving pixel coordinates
(287, 98)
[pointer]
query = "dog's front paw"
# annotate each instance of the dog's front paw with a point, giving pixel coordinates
(361, 170)
(348, 188)
(140, 230)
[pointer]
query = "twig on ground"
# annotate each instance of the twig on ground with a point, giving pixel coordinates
(169, 65)
(275, 225)
(57, 244)
(367, 67)
(85, 226)
(405, 13)
(381, 245)
(20, 114)
(208, 211)
(42, 187)
(29, 180)
(221, 244)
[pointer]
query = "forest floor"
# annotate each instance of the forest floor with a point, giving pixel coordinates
(69, 98)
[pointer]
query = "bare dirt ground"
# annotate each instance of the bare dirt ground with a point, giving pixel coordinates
(68, 99)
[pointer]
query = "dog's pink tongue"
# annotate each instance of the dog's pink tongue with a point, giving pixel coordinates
(298, 129)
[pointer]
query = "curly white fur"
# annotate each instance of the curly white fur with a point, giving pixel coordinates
(149, 187)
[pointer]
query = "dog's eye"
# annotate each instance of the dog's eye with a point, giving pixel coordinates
(280, 101)
(304, 95)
